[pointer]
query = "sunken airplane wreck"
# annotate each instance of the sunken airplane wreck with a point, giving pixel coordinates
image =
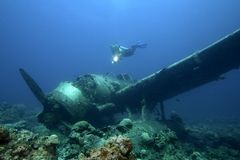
(96, 98)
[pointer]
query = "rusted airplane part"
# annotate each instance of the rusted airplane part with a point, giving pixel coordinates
(97, 97)
(201, 67)
(86, 98)
(36, 90)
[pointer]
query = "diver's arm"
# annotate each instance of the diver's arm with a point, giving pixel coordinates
(115, 48)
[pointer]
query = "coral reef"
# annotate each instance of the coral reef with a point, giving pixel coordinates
(27, 145)
(117, 147)
(83, 137)
(4, 135)
(24, 139)
(125, 125)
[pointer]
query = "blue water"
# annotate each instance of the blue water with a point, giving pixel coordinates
(56, 40)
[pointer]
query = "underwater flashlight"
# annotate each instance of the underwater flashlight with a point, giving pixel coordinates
(115, 59)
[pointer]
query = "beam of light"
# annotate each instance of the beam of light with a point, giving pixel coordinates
(115, 59)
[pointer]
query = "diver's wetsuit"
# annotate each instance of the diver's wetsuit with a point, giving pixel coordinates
(124, 51)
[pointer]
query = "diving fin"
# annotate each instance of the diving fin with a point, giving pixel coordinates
(36, 90)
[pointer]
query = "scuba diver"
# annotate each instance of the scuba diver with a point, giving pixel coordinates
(119, 51)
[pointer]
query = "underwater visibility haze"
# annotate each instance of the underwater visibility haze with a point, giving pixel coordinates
(73, 46)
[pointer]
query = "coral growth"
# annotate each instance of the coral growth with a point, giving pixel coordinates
(117, 148)
(125, 125)
(83, 137)
(27, 145)
(4, 135)
(128, 140)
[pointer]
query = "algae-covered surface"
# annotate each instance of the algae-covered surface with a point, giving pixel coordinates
(22, 137)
